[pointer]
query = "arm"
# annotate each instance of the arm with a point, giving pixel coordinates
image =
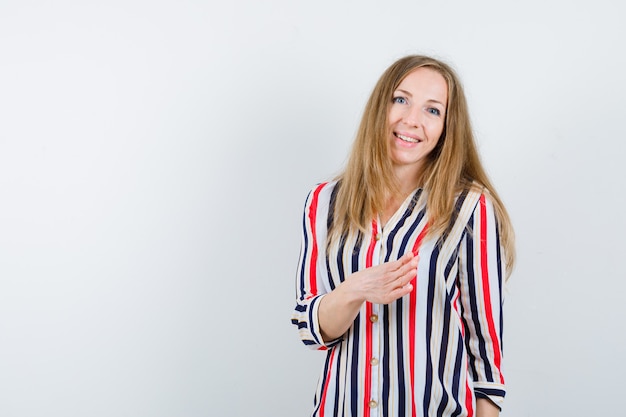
(310, 282)
(480, 281)
(378, 284)
(323, 316)
(485, 408)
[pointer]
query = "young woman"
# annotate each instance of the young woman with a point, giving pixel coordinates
(404, 258)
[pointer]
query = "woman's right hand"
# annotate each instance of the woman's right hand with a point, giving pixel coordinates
(380, 284)
(385, 283)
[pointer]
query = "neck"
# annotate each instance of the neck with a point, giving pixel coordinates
(409, 178)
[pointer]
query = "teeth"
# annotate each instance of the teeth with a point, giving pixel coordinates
(407, 139)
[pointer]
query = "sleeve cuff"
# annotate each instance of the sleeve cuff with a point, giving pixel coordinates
(315, 330)
(490, 391)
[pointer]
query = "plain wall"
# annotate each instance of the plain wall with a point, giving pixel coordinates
(154, 161)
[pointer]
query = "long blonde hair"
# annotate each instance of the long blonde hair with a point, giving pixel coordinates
(368, 180)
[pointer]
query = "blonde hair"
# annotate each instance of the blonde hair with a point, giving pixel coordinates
(368, 180)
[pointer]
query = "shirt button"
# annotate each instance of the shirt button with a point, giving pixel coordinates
(373, 404)
(377, 237)
(373, 318)
(373, 361)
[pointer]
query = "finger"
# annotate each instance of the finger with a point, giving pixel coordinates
(407, 257)
(405, 280)
(402, 261)
(408, 274)
(409, 267)
(402, 277)
(401, 291)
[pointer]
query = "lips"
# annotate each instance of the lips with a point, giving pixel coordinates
(406, 138)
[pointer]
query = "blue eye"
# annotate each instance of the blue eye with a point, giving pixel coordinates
(434, 111)
(399, 100)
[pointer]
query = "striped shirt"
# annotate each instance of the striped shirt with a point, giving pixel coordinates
(429, 353)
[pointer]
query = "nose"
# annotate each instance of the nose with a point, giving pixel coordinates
(413, 116)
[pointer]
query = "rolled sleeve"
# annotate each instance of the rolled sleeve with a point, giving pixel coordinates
(481, 281)
(305, 317)
(312, 278)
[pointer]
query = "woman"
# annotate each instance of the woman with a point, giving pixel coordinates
(403, 260)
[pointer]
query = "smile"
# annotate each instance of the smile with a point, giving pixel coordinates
(407, 138)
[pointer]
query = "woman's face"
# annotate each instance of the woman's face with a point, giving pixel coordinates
(416, 117)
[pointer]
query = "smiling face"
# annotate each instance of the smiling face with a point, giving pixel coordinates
(416, 118)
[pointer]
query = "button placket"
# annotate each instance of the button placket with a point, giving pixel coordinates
(373, 361)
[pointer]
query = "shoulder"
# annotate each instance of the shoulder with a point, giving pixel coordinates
(476, 206)
(318, 207)
(473, 203)
(328, 186)
(322, 192)
(468, 198)
(476, 193)
(320, 198)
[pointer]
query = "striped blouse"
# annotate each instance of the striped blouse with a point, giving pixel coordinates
(429, 353)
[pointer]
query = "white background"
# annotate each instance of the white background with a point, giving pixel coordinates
(155, 157)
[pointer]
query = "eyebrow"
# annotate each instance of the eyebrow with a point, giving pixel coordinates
(429, 100)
